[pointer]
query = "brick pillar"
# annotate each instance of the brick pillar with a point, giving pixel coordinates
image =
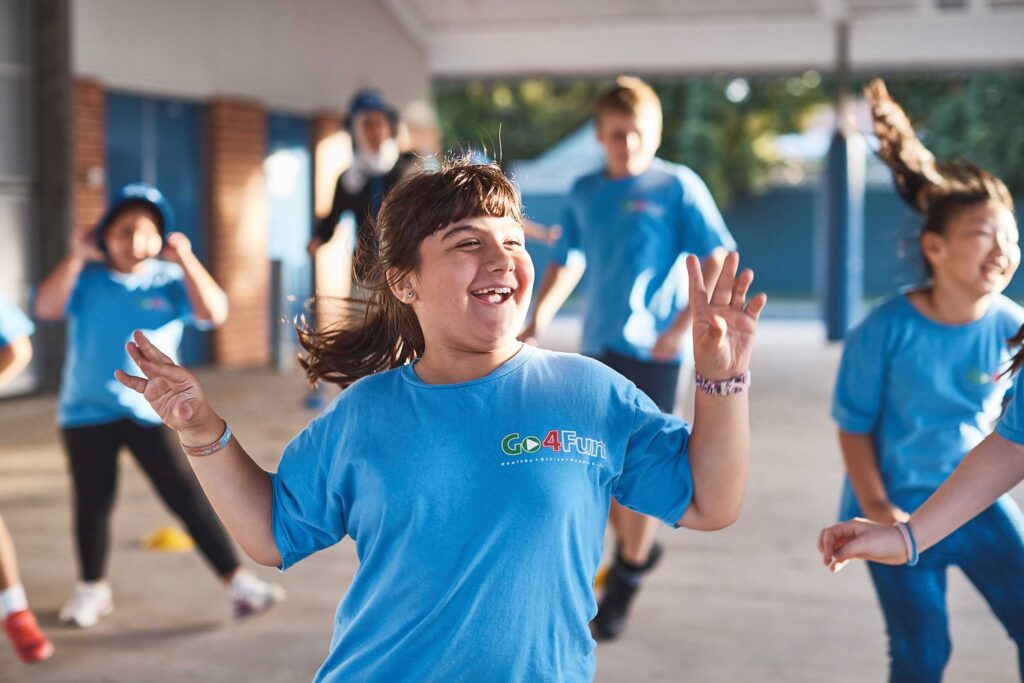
(240, 230)
(89, 158)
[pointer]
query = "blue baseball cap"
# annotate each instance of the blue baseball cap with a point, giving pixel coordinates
(137, 194)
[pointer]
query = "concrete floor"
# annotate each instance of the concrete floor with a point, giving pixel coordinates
(751, 603)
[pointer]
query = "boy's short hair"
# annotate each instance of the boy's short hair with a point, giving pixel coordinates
(629, 96)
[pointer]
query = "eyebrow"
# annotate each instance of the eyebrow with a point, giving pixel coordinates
(461, 228)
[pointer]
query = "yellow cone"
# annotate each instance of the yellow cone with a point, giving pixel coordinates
(168, 539)
(602, 576)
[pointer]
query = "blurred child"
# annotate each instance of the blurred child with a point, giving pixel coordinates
(30, 643)
(633, 222)
(130, 288)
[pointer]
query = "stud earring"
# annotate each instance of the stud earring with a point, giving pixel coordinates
(410, 295)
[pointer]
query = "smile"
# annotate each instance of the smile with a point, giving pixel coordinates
(494, 295)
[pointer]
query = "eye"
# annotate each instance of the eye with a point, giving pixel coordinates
(468, 243)
(515, 242)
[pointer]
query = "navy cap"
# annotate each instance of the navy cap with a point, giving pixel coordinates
(371, 99)
(138, 194)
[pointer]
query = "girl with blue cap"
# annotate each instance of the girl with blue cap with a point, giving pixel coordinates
(132, 272)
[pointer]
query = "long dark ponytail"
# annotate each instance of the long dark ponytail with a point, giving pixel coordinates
(936, 190)
(379, 332)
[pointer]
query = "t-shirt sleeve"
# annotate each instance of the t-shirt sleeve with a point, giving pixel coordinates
(13, 323)
(1011, 424)
(702, 227)
(655, 478)
(307, 512)
(860, 385)
(182, 306)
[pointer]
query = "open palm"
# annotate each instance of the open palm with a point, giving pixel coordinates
(173, 391)
(724, 324)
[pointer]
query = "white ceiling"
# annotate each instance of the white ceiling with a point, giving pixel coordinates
(517, 37)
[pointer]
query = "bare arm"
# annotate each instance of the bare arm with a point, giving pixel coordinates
(55, 290)
(866, 478)
(994, 467)
(668, 344)
(14, 358)
(556, 285)
(723, 339)
(239, 489)
(208, 300)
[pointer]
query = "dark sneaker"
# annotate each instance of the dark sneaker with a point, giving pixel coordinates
(621, 587)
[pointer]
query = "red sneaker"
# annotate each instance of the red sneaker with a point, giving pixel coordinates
(30, 643)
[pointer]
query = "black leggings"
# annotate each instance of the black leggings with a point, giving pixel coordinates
(92, 460)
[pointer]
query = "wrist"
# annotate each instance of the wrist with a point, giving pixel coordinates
(727, 386)
(203, 435)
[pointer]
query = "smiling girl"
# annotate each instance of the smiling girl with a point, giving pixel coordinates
(473, 472)
(110, 284)
(920, 385)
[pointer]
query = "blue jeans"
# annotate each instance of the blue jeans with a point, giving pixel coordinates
(990, 551)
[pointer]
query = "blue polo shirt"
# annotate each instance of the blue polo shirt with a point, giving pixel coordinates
(478, 512)
(927, 392)
(104, 309)
(635, 234)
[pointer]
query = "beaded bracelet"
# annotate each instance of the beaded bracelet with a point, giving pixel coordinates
(723, 387)
(203, 451)
(908, 539)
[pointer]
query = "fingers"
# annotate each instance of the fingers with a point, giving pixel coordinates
(722, 294)
(757, 305)
(740, 288)
(132, 382)
(698, 294)
(149, 351)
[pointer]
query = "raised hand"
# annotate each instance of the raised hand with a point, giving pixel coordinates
(177, 247)
(724, 324)
(174, 393)
(84, 247)
(861, 539)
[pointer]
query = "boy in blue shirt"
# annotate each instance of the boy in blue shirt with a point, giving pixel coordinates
(631, 226)
(30, 644)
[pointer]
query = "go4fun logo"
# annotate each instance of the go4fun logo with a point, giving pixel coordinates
(559, 441)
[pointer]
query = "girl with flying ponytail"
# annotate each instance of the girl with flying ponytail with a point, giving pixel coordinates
(921, 383)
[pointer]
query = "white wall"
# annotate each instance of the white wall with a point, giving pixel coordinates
(293, 55)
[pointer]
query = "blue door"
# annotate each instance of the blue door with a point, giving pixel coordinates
(288, 173)
(160, 141)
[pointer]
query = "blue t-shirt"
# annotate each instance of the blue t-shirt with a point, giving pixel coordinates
(635, 234)
(1011, 424)
(478, 511)
(13, 323)
(104, 309)
(927, 392)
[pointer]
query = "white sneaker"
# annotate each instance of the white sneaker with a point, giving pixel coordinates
(250, 595)
(88, 603)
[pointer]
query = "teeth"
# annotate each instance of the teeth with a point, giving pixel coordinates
(495, 290)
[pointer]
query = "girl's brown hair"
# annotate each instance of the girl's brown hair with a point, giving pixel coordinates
(936, 190)
(379, 332)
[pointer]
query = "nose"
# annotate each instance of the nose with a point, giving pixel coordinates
(499, 260)
(633, 142)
